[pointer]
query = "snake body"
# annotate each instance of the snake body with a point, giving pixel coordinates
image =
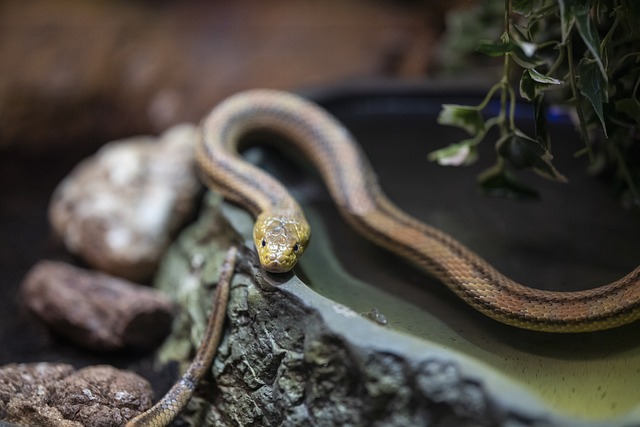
(171, 404)
(281, 232)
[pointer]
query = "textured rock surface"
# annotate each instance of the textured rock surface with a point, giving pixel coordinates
(120, 208)
(94, 310)
(48, 394)
(291, 357)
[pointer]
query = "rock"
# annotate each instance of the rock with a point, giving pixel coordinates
(292, 357)
(102, 396)
(120, 208)
(25, 390)
(50, 394)
(94, 310)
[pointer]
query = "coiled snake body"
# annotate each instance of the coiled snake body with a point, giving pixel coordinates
(281, 231)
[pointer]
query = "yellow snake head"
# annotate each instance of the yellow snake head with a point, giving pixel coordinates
(280, 240)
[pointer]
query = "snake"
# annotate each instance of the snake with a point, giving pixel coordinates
(176, 399)
(281, 232)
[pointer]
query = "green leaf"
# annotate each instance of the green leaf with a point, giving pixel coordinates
(521, 51)
(532, 83)
(462, 116)
(462, 153)
(527, 86)
(522, 152)
(541, 78)
(497, 181)
(578, 13)
(567, 16)
(589, 35)
(491, 48)
(527, 7)
(524, 60)
(525, 51)
(528, 48)
(594, 87)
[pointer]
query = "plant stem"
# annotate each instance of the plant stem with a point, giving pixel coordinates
(576, 97)
(558, 62)
(488, 97)
(512, 109)
(507, 16)
(504, 82)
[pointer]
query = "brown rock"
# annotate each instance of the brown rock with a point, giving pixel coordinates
(94, 310)
(120, 208)
(102, 396)
(49, 394)
(24, 391)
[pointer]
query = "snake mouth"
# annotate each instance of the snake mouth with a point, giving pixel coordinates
(276, 267)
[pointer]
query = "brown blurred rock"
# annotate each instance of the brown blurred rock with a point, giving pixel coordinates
(120, 208)
(71, 69)
(55, 395)
(94, 310)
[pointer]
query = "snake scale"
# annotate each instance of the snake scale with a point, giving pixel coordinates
(281, 232)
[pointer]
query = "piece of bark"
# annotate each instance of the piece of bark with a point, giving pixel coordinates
(55, 395)
(95, 310)
(120, 208)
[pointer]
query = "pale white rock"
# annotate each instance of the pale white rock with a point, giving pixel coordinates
(120, 208)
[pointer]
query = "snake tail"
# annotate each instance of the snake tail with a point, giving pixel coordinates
(171, 404)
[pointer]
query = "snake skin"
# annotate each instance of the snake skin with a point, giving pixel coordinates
(354, 187)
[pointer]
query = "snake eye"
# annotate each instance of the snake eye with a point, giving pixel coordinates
(296, 247)
(263, 243)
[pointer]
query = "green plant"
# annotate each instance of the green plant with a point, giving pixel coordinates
(584, 54)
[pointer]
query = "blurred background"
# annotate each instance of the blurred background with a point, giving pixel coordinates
(72, 71)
